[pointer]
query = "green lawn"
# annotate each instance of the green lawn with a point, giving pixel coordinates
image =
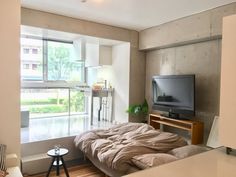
(53, 105)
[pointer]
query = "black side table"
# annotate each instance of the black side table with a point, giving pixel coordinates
(57, 160)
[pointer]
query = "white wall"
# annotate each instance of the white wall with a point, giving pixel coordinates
(227, 121)
(105, 73)
(120, 80)
(99, 74)
(10, 75)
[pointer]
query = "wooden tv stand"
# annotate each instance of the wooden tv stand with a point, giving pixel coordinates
(195, 128)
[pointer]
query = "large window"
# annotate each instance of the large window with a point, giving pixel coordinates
(63, 63)
(52, 102)
(44, 60)
(48, 69)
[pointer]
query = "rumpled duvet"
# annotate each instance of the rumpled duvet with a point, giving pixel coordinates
(117, 145)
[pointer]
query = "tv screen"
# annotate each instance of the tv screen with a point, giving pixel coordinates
(174, 94)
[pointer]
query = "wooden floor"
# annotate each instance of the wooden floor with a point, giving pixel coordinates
(87, 170)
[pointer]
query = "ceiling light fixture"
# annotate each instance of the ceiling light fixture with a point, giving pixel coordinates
(83, 1)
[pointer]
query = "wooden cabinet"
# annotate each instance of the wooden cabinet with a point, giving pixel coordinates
(195, 128)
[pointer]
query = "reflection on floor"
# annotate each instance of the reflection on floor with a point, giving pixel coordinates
(55, 127)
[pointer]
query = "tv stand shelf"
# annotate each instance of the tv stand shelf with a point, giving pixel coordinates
(195, 128)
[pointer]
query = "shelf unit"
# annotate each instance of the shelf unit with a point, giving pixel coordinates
(195, 128)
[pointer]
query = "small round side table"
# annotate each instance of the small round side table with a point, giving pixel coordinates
(57, 160)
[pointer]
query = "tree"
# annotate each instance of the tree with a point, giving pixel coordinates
(59, 64)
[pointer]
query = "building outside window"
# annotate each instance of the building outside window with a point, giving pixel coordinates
(28, 60)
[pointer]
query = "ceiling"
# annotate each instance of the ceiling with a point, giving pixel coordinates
(131, 14)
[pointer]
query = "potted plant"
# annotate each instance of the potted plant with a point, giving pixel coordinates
(138, 109)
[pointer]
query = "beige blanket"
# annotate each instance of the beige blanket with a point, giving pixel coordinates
(116, 146)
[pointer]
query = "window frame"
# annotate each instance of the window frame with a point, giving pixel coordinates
(60, 83)
(44, 83)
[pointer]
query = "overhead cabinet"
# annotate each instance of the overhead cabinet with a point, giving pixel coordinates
(97, 55)
(105, 55)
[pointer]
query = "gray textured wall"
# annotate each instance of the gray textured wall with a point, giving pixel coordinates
(201, 59)
(194, 28)
(190, 45)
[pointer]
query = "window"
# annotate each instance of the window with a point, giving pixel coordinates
(34, 66)
(63, 63)
(51, 62)
(46, 102)
(34, 51)
(26, 50)
(26, 66)
(29, 71)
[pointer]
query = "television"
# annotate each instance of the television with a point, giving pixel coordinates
(174, 94)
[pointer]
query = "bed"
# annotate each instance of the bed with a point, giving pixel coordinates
(119, 150)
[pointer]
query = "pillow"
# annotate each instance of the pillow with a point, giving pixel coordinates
(150, 160)
(186, 151)
(3, 167)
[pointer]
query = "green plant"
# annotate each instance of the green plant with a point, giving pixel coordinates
(76, 101)
(138, 109)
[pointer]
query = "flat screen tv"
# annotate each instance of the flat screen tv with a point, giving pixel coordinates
(174, 94)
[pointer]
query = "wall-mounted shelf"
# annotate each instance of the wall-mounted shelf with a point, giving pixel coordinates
(195, 128)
